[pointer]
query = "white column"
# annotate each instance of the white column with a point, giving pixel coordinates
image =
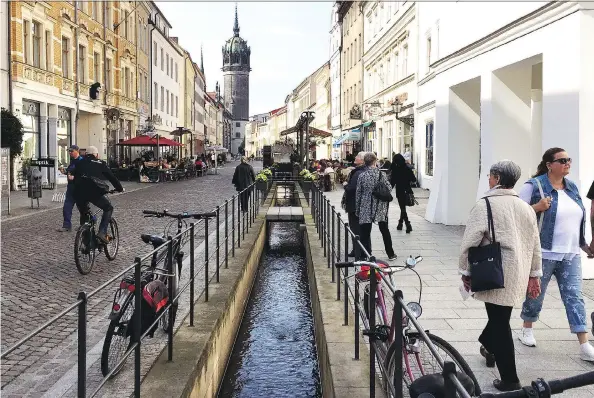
(53, 138)
(43, 135)
(535, 130)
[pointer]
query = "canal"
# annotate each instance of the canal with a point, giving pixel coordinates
(275, 351)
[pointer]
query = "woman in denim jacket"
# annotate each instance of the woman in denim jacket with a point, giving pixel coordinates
(562, 220)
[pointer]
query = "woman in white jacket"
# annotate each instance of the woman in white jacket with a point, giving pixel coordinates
(517, 232)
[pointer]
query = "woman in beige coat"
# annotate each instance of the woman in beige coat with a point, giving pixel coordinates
(517, 232)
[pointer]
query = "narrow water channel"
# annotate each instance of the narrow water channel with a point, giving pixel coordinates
(275, 352)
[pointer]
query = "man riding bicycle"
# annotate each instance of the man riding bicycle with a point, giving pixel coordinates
(90, 187)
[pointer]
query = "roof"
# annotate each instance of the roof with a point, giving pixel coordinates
(278, 110)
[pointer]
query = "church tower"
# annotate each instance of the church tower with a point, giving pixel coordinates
(236, 72)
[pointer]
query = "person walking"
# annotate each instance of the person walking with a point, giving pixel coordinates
(401, 177)
(69, 201)
(369, 209)
(244, 177)
(562, 222)
(350, 197)
(514, 227)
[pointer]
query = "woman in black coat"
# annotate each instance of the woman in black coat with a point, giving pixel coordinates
(401, 178)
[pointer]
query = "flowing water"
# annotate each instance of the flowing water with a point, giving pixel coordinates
(275, 352)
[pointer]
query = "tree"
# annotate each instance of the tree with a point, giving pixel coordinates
(12, 136)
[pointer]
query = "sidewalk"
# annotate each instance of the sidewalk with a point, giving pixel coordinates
(461, 322)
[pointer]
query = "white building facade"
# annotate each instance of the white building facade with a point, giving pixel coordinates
(389, 68)
(4, 64)
(167, 77)
(335, 80)
(501, 81)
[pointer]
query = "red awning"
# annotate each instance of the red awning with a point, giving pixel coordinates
(145, 140)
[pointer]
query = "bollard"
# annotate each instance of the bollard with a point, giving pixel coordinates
(137, 324)
(398, 336)
(233, 226)
(346, 274)
(82, 345)
(192, 274)
(206, 260)
(170, 286)
(227, 233)
(218, 243)
(372, 291)
(338, 222)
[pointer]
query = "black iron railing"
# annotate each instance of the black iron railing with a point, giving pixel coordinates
(228, 232)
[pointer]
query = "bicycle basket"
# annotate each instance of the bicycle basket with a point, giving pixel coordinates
(363, 274)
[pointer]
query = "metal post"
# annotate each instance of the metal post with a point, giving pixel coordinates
(331, 240)
(398, 336)
(346, 274)
(372, 291)
(82, 345)
(233, 226)
(137, 324)
(307, 138)
(206, 259)
(244, 214)
(337, 255)
(171, 285)
(357, 331)
(192, 274)
(324, 224)
(218, 243)
(227, 233)
(239, 220)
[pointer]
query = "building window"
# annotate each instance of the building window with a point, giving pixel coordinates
(167, 62)
(108, 81)
(36, 44)
(176, 71)
(30, 121)
(429, 149)
(156, 96)
(127, 82)
(96, 11)
(108, 15)
(167, 93)
(147, 88)
(162, 60)
(96, 67)
(171, 68)
(162, 99)
(176, 107)
(428, 53)
(48, 51)
(155, 52)
(236, 124)
(405, 61)
(82, 59)
(26, 31)
(126, 31)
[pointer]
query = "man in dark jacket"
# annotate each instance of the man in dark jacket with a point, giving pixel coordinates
(90, 187)
(75, 157)
(244, 177)
(350, 190)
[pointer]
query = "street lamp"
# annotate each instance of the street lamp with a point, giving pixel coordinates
(397, 108)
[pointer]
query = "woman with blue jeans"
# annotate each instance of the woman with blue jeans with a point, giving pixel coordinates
(562, 221)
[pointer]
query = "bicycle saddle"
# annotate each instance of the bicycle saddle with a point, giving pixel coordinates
(154, 239)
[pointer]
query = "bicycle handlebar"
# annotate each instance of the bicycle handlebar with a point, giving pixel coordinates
(542, 389)
(165, 213)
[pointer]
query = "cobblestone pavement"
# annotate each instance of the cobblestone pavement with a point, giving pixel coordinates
(39, 276)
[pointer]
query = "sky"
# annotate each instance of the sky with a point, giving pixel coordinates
(289, 41)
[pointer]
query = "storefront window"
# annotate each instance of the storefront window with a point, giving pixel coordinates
(30, 120)
(64, 135)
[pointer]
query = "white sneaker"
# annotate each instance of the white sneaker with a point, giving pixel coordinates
(527, 337)
(587, 352)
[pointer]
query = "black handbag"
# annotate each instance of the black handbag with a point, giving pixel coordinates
(486, 268)
(380, 191)
(410, 199)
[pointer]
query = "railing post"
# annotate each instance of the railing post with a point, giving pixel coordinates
(172, 292)
(398, 336)
(82, 345)
(192, 276)
(227, 233)
(218, 243)
(137, 324)
(324, 225)
(357, 318)
(337, 255)
(331, 241)
(372, 292)
(245, 192)
(206, 259)
(233, 226)
(239, 220)
(346, 274)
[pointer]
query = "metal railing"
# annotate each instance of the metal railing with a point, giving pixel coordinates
(232, 230)
(335, 234)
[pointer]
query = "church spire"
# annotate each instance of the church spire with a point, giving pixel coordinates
(201, 60)
(236, 25)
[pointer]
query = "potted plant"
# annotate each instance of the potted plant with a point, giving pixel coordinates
(307, 180)
(268, 173)
(302, 175)
(261, 182)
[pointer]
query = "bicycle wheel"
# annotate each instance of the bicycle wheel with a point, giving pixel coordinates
(418, 361)
(111, 249)
(118, 340)
(84, 249)
(165, 319)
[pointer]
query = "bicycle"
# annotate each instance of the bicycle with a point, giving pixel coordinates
(120, 334)
(383, 335)
(86, 243)
(543, 389)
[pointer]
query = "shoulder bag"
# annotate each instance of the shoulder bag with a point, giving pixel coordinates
(486, 268)
(410, 199)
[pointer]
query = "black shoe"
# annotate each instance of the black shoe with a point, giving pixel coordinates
(489, 357)
(399, 227)
(392, 257)
(102, 236)
(506, 386)
(408, 228)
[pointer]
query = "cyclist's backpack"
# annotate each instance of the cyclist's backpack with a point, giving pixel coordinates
(155, 298)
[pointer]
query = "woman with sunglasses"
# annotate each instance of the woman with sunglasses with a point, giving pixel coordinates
(561, 220)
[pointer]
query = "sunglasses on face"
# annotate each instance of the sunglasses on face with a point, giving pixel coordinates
(562, 160)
